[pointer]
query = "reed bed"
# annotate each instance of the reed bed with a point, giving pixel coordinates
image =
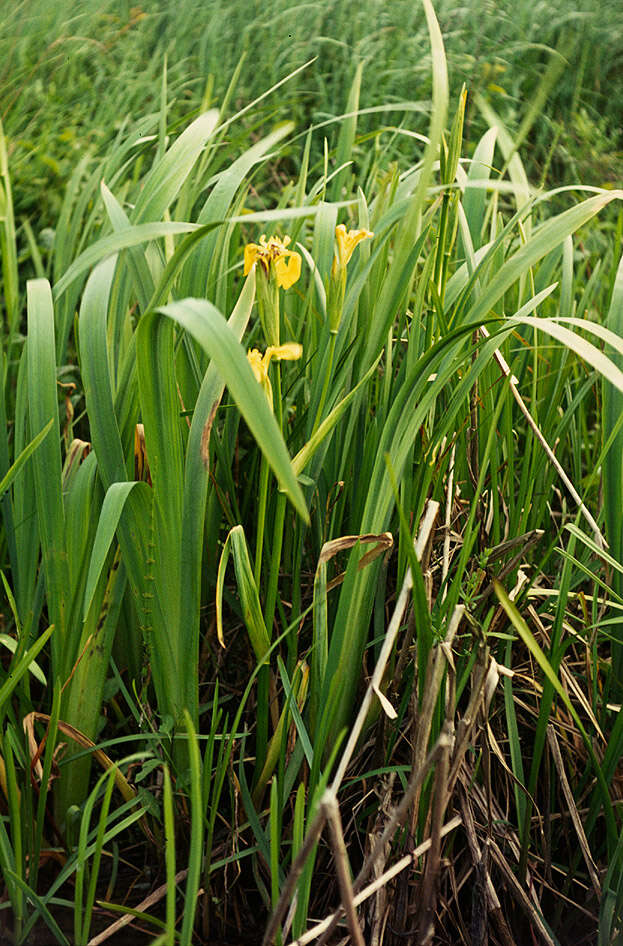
(310, 476)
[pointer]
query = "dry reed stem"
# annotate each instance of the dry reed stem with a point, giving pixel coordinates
(127, 918)
(422, 764)
(437, 664)
(369, 891)
(426, 528)
(467, 722)
(573, 811)
(313, 833)
(511, 838)
(520, 895)
(441, 792)
(426, 926)
(332, 814)
(448, 522)
(512, 381)
(395, 821)
(399, 814)
(493, 902)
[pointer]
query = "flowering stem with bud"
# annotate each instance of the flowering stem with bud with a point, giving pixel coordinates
(260, 365)
(277, 268)
(346, 241)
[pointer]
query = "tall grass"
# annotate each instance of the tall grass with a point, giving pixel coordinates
(408, 490)
(73, 73)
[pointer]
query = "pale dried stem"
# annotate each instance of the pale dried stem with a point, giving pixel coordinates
(441, 797)
(342, 866)
(313, 833)
(511, 838)
(493, 902)
(400, 812)
(432, 686)
(426, 527)
(466, 724)
(395, 821)
(431, 871)
(448, 522)
(512, 381)
(407, 861)
(520, 895)
(127, 918)
(575, 817)
(442, 653)
(424, 534)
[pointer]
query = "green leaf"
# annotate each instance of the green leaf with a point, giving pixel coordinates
(542, 242)
(11, 644)
(165, 180)
(529, 640)
(586, 350)
(47, 467)
(209, 328)
(196, 475)
(96, 373)
(7, 479)
(112, 507)
(475, 197)
(247, 589)
(23, 665)
(306, 453)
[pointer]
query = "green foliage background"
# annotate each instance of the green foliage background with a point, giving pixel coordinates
(140, 150)
(72, 72)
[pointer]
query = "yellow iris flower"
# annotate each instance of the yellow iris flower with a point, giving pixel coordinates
(346, 241)
(291, 351)
(274, 256)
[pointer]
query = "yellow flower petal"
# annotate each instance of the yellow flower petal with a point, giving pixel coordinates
(286, 264)
(251, 254)
(257, 365)
(290, 351)
(347, 241)
(288, 270)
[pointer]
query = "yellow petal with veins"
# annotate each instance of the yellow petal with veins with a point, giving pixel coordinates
(286, 264)
(347, 241)
(251, 255)
(290, 351)
(257, 365)
(287, 269)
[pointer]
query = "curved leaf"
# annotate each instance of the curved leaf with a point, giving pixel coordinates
(166, 178)
(206, 324)
(112, 507)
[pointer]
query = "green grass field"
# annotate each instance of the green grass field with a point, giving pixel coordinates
(311, 443)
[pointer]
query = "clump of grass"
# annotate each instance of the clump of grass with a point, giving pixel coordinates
(386, 416)
(75, 73)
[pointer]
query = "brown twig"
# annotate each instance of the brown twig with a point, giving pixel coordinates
(573, 811)
(313, 833)
(332, 813)
(407, 861)
(127, 918)
(426, 527)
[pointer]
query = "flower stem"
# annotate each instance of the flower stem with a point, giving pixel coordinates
(261, 520)
(325, 384)
(263, 708)
(275, 563)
